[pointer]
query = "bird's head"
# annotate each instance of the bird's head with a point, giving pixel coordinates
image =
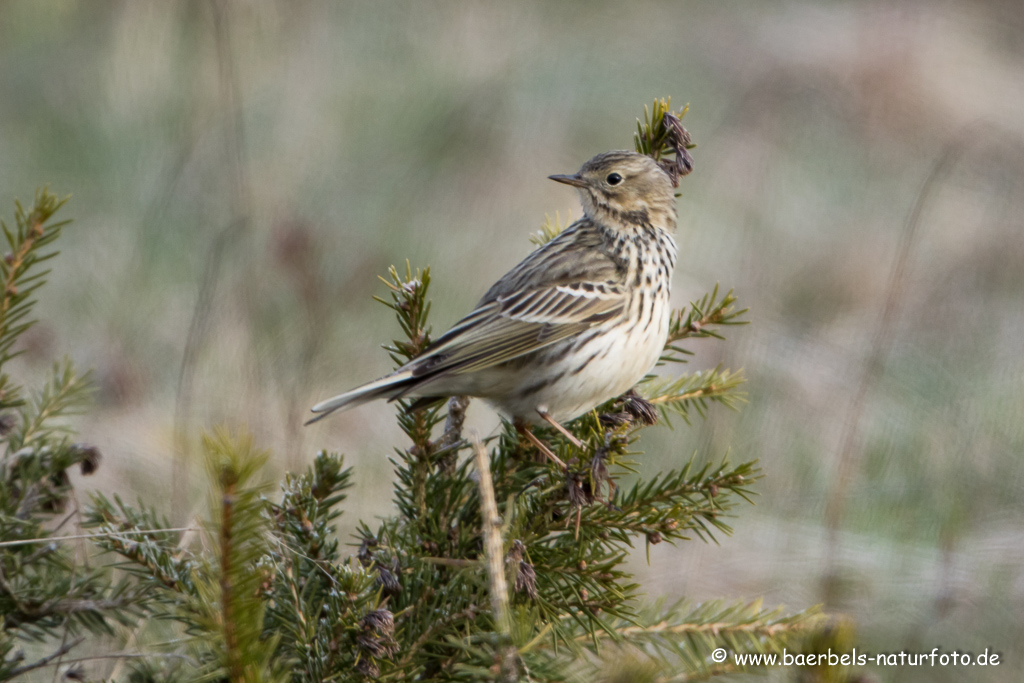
(623, 190)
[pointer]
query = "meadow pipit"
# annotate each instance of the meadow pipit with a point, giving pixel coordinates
(579, 321)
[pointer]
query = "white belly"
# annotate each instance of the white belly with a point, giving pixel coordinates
(602, 364)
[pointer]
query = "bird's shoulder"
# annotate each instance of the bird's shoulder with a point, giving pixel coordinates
(580, 254)
(563, 288)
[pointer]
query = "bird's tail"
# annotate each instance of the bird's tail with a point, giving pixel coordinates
(392, 386)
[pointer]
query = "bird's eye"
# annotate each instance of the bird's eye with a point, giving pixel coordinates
(614, 179)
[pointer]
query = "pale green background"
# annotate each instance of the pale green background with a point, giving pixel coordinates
(381, 131)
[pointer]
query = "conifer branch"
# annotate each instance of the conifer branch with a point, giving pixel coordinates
(44, 593)
(229, 600)
(550, 229)
(667, 506)
(18, 273)
(493, 550)
(695, 391)
(411, 306)
(42, 662)
(145, 539)
(703, 315)
(65, 393)
(661, 134)
(491, 530)
(682, 636)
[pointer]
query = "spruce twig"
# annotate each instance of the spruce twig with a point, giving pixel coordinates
(550, 229)
(661, 134)
(695, 391)
(44, 593)
(703, 315)
(229, 593)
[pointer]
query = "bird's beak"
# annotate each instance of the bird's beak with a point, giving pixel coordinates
(574, 180)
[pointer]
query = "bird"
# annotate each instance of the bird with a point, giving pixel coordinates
(579, 321)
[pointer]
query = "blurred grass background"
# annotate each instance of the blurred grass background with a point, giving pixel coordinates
(301, 148)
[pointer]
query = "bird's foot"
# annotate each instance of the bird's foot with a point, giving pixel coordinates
(565, 432)
(639, 408)
(541, 446)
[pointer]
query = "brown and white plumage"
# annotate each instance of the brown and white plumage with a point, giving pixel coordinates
(578, 321)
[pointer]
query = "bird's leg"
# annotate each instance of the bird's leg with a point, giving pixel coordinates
(565, 432)
(541, 446)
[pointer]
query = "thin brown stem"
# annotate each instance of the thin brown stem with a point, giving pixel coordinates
(558, 426)
(106, 534)
(541, 446)
(47, 660)
(493, 547)
(494, 550)
(703, 392)
(238, 197)
(226, 598)
(15, 263)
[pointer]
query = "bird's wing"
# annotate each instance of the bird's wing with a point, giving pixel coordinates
(518, 323)
(578, 254)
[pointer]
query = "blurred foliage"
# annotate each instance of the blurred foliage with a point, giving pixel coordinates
(550, 229)
(46, 591)
(817, 121)
(259, 591)
(411, 602)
